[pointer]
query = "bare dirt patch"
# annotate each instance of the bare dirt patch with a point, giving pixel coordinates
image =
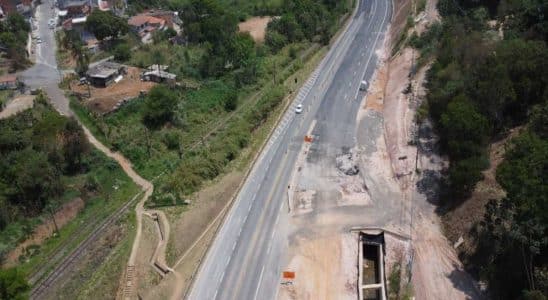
(45, 230)
(104, 100)
(256, 27)
(325, 268)
(437, 271)
(397, 114)
(18, 104)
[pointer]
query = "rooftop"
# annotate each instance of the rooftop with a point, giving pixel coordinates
(104, 70)
(160, 74)
(8, 78)
(156, 67)
(140, 20)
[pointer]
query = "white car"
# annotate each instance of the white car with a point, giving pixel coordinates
(299, 109)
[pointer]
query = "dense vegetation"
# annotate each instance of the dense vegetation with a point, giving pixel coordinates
(305, 19)
(46, 162)
(13, 285)
(13, 38)
(37, 149)
(480, 85)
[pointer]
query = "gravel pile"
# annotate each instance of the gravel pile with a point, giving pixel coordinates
(346, 164)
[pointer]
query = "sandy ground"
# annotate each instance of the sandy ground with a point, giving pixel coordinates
(330, 258)
(437, 271)
(104, 100)
(43, 231)
(18, 104)
(398, 116)
(256, 27)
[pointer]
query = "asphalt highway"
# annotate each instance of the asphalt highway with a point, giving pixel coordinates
(246, 257)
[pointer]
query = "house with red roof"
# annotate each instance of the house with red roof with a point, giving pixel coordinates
(145, 25)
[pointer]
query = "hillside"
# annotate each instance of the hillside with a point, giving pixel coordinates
(490, 76)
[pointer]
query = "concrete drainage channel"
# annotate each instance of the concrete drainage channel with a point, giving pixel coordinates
(376, 247)
(372, 285)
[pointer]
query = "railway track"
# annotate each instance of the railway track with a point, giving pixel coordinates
(41, 287)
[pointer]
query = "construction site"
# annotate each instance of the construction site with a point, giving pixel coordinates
(361, 222)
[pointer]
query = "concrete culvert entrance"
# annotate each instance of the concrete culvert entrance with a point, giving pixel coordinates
(371, 262)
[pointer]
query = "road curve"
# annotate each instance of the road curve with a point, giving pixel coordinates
(245, 259)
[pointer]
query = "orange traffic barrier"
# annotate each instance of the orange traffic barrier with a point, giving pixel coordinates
(288, 275)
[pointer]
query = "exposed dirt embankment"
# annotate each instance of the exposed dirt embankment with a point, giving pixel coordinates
(460, 223)
(397, 92)
(45, 230)
(402, 9)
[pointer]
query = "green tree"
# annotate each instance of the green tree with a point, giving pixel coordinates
(275, 40)
(35, 180)
(17, 22)
(539, 120)
(159, 106)
(75, 145)
(122, 52)
(464, 129)
(13, 285)
(515, 228)
(104, 24)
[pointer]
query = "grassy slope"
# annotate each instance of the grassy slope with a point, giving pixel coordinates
(199, 110)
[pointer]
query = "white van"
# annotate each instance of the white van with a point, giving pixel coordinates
(363, 85)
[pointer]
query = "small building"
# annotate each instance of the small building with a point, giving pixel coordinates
(159, 76)
(105, 73)
(156, 67)
(170, 17)
(8, 82)
(144, 25)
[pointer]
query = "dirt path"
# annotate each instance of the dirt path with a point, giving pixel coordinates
(17, 105)
(148, 188)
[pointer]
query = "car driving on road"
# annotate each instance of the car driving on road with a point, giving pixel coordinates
(299, 109)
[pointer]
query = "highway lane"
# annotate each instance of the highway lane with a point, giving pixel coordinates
(245, 259)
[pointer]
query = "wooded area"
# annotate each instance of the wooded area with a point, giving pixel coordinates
(13, 37)
(480, 85)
